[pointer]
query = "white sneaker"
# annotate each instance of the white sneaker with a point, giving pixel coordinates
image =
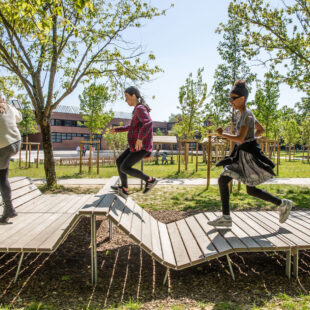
(285, 209)
(221, 221)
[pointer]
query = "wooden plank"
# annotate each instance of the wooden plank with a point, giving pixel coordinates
(229, 236)
(194, 252)
(156, 244)
(53, 201)
(91, 205)
(166, 245)
(264, 232)
(300, 220)
(127, 215)
(18, 226)
(52, 235)
(116, 211)
(23, 190)
(201, 237)
(21, 208)
(20, 183)
(304, 215)
(68, 202)
(83, 200)
(136, 223)
(37, 206)
(261, 241)
(243, 236)
(107, 187)
(146, 232)
(283, 233)
(215, 237)
(105, 204)
(37, 226)
(25, 198)
(179, 249)
(297, 229)
(16, 179)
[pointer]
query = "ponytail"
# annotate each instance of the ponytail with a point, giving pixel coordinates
(132, 90)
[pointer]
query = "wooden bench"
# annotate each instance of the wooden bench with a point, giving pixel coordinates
(43, 221)
(192, 241)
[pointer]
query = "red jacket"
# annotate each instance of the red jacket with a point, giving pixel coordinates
(140, 127)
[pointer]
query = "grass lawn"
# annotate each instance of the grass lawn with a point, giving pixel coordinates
(197, 198)
(293, 169)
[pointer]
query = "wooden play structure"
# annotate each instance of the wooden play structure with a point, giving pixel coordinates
(159, 141)
(28, 149)
(183, 147)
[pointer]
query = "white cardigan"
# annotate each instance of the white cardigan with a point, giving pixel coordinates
(9, 132)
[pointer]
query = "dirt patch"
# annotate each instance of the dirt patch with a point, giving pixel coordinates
(125, 272)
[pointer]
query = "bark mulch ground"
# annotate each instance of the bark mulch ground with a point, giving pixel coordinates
(62, 279)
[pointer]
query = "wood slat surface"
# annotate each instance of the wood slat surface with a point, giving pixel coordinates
(168, 256)
(192, 247)
(216, 238)
(180, 253)
(136, 223)
(229, 236)
(201, 237)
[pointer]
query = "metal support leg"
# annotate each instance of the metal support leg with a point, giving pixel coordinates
(288, 264)
(93, 250)
(295, 264)
(19, 265)
(110, 229)
(166, 276)
(230, 267)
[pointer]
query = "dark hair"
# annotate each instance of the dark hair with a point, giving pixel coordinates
(240, 88)
(132, 90)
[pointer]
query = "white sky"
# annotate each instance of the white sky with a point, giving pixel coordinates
(182, 41)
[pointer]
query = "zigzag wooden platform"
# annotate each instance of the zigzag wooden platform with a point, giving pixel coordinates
(191, 241)
(43, 221)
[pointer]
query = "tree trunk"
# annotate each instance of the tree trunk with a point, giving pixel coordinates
(49, 162)
(289, 152)
(308, 153)
(303, 152)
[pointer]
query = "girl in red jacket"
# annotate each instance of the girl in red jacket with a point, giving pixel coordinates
(140, 140)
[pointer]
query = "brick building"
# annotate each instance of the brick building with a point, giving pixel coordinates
(67, 133)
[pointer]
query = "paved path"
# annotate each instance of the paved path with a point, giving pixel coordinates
(197, 181)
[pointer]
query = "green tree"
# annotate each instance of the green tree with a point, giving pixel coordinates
(291, 134)
(234, 67)
(305, 135)
(158, 132)
(28, 125)
(304, 106)
(53, 46)
(192, 96)
(282, 31)
(266, 102)
(175, 117)
(92, 106)
(116, 142)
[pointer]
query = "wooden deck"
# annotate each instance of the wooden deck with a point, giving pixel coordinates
(43, 221)
(192, 241)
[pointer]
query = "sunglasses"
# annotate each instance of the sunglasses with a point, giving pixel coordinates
(231, 99)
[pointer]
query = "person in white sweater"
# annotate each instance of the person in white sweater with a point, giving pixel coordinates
(10, 142)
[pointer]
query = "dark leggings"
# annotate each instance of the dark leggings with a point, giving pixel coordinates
(124, 166)
(5, 187)
(251, 190)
